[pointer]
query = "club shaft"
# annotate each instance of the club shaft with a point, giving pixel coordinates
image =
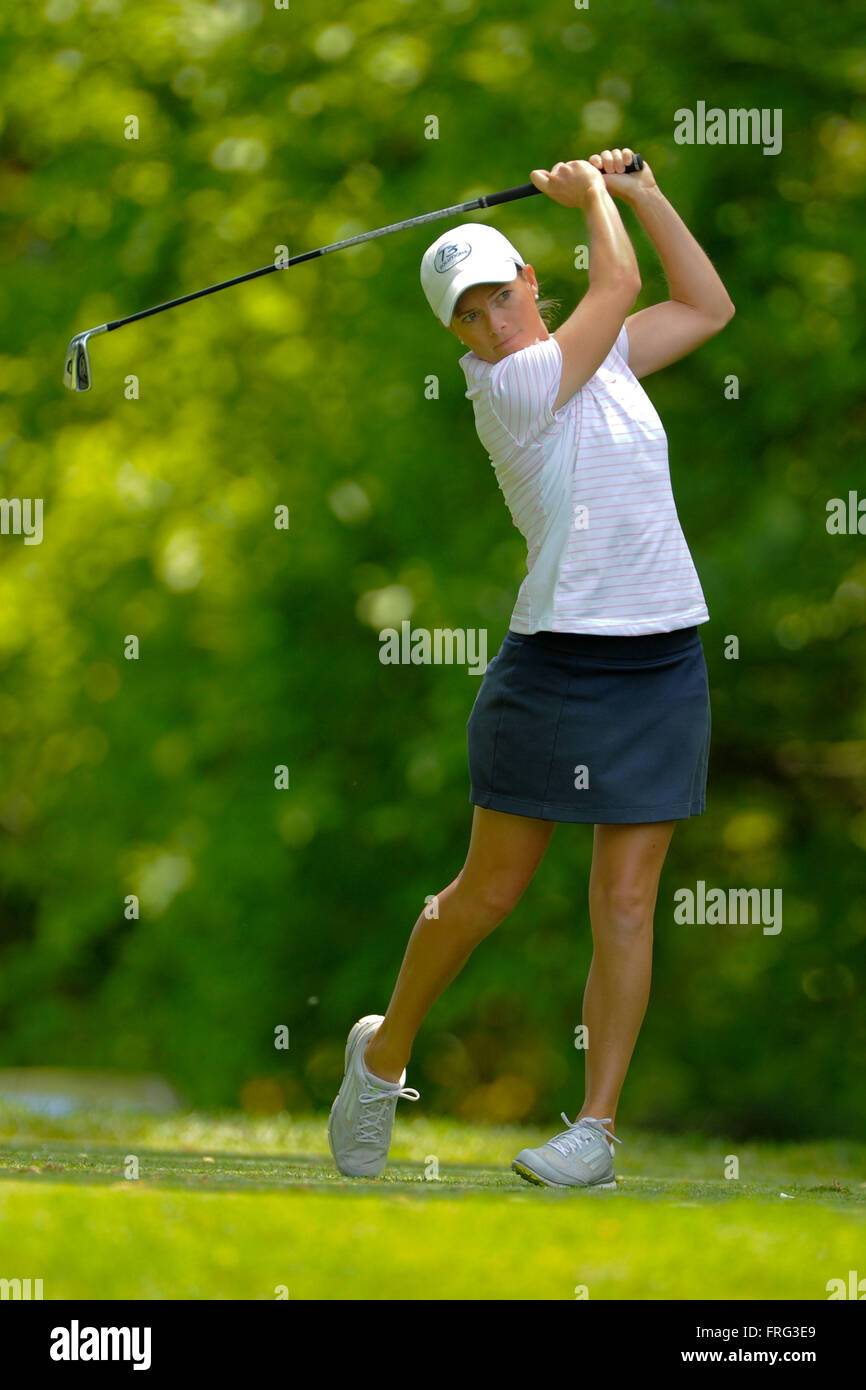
(508, 195)
(524, 192)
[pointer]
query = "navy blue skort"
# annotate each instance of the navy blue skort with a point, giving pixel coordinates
(580, 727)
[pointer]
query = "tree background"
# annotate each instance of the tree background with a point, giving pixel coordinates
(259, 647)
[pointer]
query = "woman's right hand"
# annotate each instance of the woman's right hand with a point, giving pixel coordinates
(568, 183)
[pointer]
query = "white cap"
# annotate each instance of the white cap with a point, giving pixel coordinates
(471, 254)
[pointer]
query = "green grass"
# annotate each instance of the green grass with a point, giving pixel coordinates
(270, 1210)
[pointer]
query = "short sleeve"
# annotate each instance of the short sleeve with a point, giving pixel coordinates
(620, 347)
(523, 387)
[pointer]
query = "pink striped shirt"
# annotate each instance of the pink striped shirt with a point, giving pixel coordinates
(589, 489)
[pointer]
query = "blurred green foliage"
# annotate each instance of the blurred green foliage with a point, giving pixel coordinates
(260, 127)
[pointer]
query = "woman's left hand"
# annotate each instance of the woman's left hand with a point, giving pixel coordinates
(611, 164)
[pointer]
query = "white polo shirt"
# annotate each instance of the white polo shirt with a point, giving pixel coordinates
(589, 489)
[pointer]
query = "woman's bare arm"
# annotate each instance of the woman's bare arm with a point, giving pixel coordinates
(589, 333)
(699, 305)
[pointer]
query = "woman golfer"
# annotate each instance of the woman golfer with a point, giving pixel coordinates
(596, 707)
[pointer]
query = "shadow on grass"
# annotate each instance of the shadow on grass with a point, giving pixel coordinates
(232, 1153)
(58, 1162)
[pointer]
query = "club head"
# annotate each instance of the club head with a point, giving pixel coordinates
(76, 373)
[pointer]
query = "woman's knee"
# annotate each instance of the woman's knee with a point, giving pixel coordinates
(504, 853)
(626, 866)
(622, 910)
(490, 901)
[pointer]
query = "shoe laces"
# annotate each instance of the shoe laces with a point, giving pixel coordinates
(372, 1124)
(582, 1131)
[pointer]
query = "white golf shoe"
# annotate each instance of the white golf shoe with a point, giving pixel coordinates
(582, 1156)
(362, 1116)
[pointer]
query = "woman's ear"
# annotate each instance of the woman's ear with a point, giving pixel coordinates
(529, 276)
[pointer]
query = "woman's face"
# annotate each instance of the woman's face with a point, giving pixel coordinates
(496, 320)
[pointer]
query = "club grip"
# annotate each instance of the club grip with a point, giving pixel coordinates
(526, 190)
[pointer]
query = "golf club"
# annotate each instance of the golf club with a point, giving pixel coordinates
(77, 375)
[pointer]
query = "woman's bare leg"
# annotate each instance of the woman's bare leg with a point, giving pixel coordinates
(623, 886)
(504, 852)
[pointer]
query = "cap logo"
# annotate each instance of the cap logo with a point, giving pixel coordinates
(450, 254)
